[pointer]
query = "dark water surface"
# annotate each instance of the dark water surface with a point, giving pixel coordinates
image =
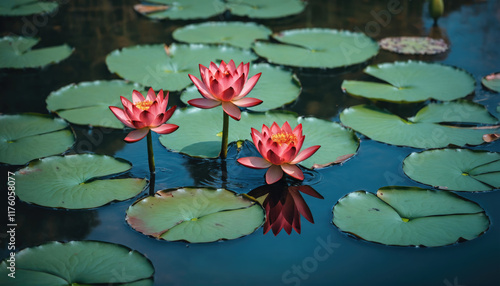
(321, 255)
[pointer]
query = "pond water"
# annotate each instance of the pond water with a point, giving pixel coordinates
(95, 28)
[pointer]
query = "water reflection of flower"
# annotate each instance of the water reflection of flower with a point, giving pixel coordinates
(284, 205)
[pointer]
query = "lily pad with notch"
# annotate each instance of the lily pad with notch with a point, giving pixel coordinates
(180, 9)
(264, 9)
(26, 7)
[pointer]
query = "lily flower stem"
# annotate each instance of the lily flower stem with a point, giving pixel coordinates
(225, 130)
(151, 156)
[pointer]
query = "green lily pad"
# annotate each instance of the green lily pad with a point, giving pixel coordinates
(15, 52)
(26, 7)
(195, 215)
(264, 9)
(455, 169)
(238, 34)
(410, 216)
(25, 137)
(430, 128)
(75, 181)
(200, 135)
(413, 82)
(413, 45)
(276, 87)
(492, 81)
(151, 66)
(317, 48)
(78, 263)
(181, 9)
(87, 103)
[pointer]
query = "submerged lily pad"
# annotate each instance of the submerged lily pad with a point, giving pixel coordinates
(150, 65)
(413, 82)
(492, 81)
(317, 48)
(276, 87)
(88, 102)
(238, 34)
(25, 137)
(410, 216)
(195, 215)
(455, 169)
(430, 128)
(200, 135)
(264, 9)
(181, 9)
(26, 7)
(75, 181)
(78, 263)
(15, 52)
(414, 45)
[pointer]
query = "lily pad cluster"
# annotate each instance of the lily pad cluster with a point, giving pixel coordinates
(26, 7)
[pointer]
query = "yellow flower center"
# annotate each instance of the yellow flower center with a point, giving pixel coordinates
(144, 105)
(284, 137)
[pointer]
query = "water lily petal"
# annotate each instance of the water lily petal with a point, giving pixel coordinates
(237, 84)
(204, 103)
(202, 88)
(249, 85)
(254, 162)
(231, 67)
(169, 113)
(231, 110)
(286, 127)
(120, 114)
(159, 119)
(273, 174)
(165, 128)
(213, 67)
(275, 128)
(306, 153)
(227, 94)
(147, 117)
(155, 108)
(216, 88)
(151, 95)
(247, 102)
(136, 135)
(136, 97)
(126, 103)
(293, 171)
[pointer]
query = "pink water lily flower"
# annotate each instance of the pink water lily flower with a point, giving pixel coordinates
(145, 114)
(226, 85)
(280, 149)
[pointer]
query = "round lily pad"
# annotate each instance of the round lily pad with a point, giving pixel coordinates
(238, 34)
(24, 137)
(26, 7)
(492, 81)
(181, 9)
(412, 82)
(87, 103)
(202, 131)
(75, 181)
(317, 48)
(195, 215)
(414, 45)
(276, 87)
(78, 263)
(264, 9)
(410, 216)
(15, 52)
(167, 68)
(455, 169)
(434, 126)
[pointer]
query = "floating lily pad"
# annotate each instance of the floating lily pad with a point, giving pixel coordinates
(87, 103)
(151, 66)
(181, 9)
(455, 169)
(410, 216)
(414, 45)
(26, 7)
(195, 215)
(263, 9)
(238, 34)
(276, 87)
(492, 81)
(78, 263)
(25, 137)
(200, 135)
(75, 181)
(430, 128)
(317, 48)
(15, 52)
(412, 82)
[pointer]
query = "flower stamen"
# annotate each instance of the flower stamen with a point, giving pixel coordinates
(144, 105)
(284, 137)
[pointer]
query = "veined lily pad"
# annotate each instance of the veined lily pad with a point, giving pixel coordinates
(492, 81)
(15, 52)
(262, 9)
(88, 102)
(410, 216)
(413, 82)
(181, 9)
(238, 34)
(78, 263)
(25, 137)
(73, 181)
(26, 7)
(317, 48)
(195, 215)
(455, 169)
(430, 128)
(276, 87)
(202, 129)
(151, 65)
(414, 45)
